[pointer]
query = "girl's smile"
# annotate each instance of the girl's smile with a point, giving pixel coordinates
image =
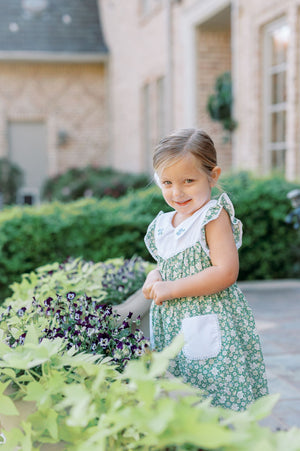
(185, 187)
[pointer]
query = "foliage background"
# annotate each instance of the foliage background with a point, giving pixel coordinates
(100, 229)
(91, 181)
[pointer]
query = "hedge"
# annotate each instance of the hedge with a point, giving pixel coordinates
(107, 228)
(91, 181)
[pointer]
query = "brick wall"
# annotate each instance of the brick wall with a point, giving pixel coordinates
(213, 59)
(68, 97)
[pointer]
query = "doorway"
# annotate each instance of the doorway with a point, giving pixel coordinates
(28, 150)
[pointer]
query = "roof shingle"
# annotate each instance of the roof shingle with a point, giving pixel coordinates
(68, 26)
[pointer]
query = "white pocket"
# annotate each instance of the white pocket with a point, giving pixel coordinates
(202, 337)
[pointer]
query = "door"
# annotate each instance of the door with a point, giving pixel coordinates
(28, 150)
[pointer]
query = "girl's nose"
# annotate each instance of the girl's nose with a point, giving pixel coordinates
(177, 190)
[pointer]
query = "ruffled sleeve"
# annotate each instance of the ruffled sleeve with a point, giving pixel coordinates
(150, 237)
(213, 213)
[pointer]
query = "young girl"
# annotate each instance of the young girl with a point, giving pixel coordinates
(193, 288)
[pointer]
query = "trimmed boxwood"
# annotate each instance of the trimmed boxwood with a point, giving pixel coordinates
(106, 228)
(91, 181)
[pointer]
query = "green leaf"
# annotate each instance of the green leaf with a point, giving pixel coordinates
(33, 334)
(7, 406)
(44, 424)
(34, 392)
(79, 399)
(13, 437)
(262, 407)
(160, 361)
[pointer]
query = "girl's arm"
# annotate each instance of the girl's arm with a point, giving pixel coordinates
(222, 273)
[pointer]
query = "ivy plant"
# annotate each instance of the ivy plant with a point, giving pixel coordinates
(219, 104)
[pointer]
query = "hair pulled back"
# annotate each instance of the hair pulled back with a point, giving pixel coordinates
(182, 142)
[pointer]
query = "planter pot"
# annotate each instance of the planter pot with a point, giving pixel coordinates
(139, 306)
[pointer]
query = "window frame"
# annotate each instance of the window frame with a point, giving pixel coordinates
(270, 108)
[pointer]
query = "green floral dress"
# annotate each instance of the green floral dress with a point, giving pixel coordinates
(222, 353)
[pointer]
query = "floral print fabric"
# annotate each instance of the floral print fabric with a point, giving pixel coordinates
(236, 375)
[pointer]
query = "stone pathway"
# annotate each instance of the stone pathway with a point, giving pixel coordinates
(276, 307)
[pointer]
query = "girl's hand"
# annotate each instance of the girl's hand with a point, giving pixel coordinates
(161, 291)
(153, 276)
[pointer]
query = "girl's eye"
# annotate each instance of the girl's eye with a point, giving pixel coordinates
(166, 182)
(189, 181)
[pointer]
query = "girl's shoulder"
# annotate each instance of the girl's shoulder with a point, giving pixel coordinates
(149, 238)
(216, 206)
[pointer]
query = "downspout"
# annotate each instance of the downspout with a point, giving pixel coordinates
(234, 25)
(169, 67)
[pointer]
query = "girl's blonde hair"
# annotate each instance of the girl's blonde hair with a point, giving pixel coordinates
(179, 143)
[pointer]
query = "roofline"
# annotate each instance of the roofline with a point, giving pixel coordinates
(62, 57)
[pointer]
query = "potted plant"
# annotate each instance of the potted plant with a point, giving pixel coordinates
(219, 104)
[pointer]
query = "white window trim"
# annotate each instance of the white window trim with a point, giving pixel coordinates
(268, 109)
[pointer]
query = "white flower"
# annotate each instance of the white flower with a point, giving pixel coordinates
(241, 379)
(240, 394)
(214, 371)
(138, 352)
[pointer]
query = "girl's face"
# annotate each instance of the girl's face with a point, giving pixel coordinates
(185, 187)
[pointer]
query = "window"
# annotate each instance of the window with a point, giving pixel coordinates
(154, 116)
(276, 50)
(145, 6)
(148, 6)
(161, 107)
(147, 126)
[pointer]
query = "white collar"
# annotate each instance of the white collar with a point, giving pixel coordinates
(171, 240)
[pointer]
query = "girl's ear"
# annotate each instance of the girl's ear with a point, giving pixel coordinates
(215, 174)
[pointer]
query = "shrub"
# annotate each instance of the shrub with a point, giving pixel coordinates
(91, 182)
(92, 229)
(11, 179)
(269, 249)
(100, 229)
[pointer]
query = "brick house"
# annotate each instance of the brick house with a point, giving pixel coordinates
(100, 81)
(53, 102)
(165, 56)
